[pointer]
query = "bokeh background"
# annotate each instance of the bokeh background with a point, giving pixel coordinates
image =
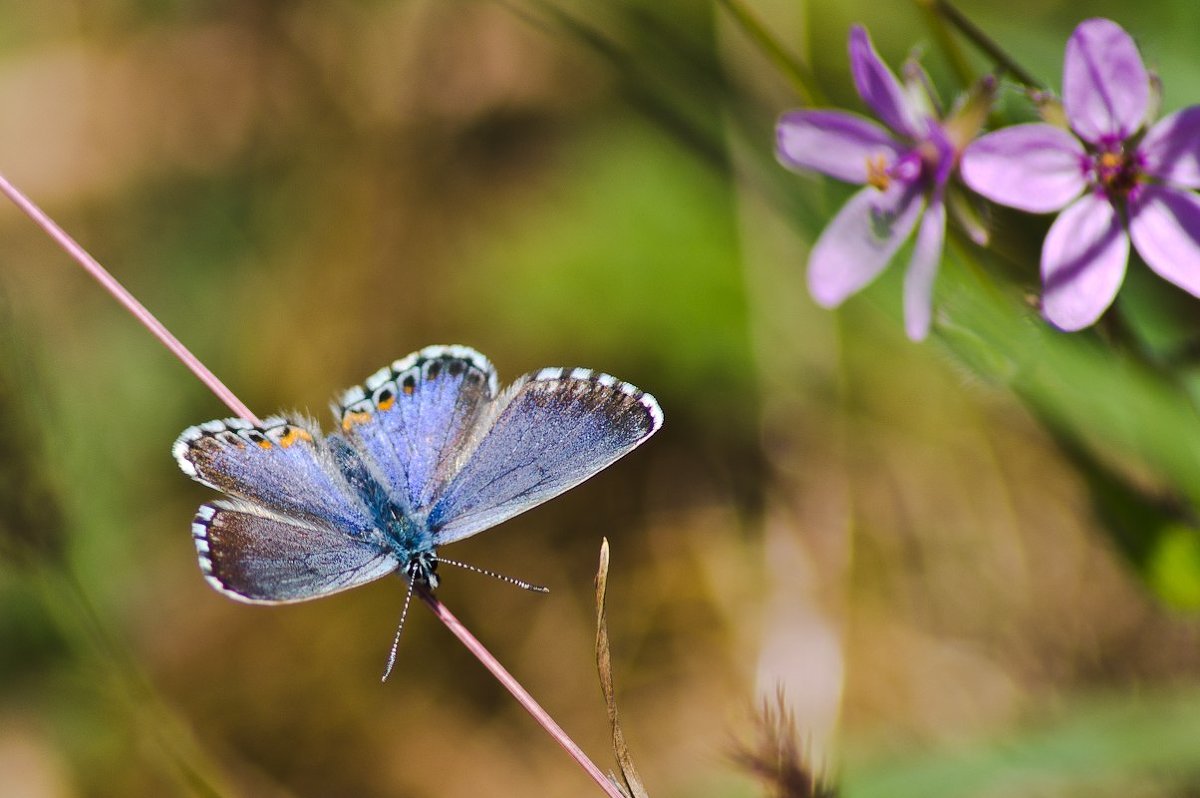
(961, 582)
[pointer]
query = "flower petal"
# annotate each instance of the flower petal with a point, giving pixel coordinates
(1106, 90)
(918, 89)
(918, 280)
(856, 246)
(1165, 225)
(1083, 263)
(1037, 168)
(878, 87)
(1171, 149)
(835, 143)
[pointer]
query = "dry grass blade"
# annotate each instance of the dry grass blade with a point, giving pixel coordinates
(776, 758)
(629, 774)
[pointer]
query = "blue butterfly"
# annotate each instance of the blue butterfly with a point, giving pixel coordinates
(427, 452)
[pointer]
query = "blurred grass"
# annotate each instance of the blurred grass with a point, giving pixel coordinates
(1111, 745)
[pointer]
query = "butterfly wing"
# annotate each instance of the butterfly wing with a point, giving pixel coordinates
(552, 430)
(411, 419)
(255, 556)
(283, 466)
(300, 528)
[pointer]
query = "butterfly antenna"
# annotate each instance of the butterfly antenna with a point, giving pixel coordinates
(521, 583)
(396, 642)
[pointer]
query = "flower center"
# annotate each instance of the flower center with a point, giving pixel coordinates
(910, 167)
(1116, 172)
(877, 172)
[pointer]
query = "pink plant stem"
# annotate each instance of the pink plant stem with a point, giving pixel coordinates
(518, 692)
(92, 267)
(80, 255)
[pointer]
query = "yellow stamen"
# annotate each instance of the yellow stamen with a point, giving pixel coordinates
(877, 175)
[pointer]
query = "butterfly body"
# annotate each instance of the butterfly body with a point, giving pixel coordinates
(409, 538)
(427, 451)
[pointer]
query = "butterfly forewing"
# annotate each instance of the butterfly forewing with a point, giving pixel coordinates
(412, 420)
(254, 556)
(553, 430)
(284, 466)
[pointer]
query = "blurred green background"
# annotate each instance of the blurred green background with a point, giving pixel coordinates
(970, 565)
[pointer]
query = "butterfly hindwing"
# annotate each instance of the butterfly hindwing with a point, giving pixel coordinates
(551, 430)
(254, 556)
(412, 419)
(284, 466)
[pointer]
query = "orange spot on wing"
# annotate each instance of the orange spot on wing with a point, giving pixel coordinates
(265, 444)
(386, 404)
(350, 419)
(294, 434)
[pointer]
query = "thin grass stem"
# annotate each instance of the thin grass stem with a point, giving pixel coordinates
(977, 37)
(518, 692)
(139, 311)
(954, 54)
(797, 72)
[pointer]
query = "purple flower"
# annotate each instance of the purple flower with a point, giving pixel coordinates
(1110, 183)
(904, 167)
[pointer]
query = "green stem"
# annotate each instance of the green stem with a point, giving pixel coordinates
(801, 77)
(945, 10)
(954, 53)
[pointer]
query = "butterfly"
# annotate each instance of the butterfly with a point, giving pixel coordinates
(427, 451)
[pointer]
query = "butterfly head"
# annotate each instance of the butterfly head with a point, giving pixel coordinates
(422, 569)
